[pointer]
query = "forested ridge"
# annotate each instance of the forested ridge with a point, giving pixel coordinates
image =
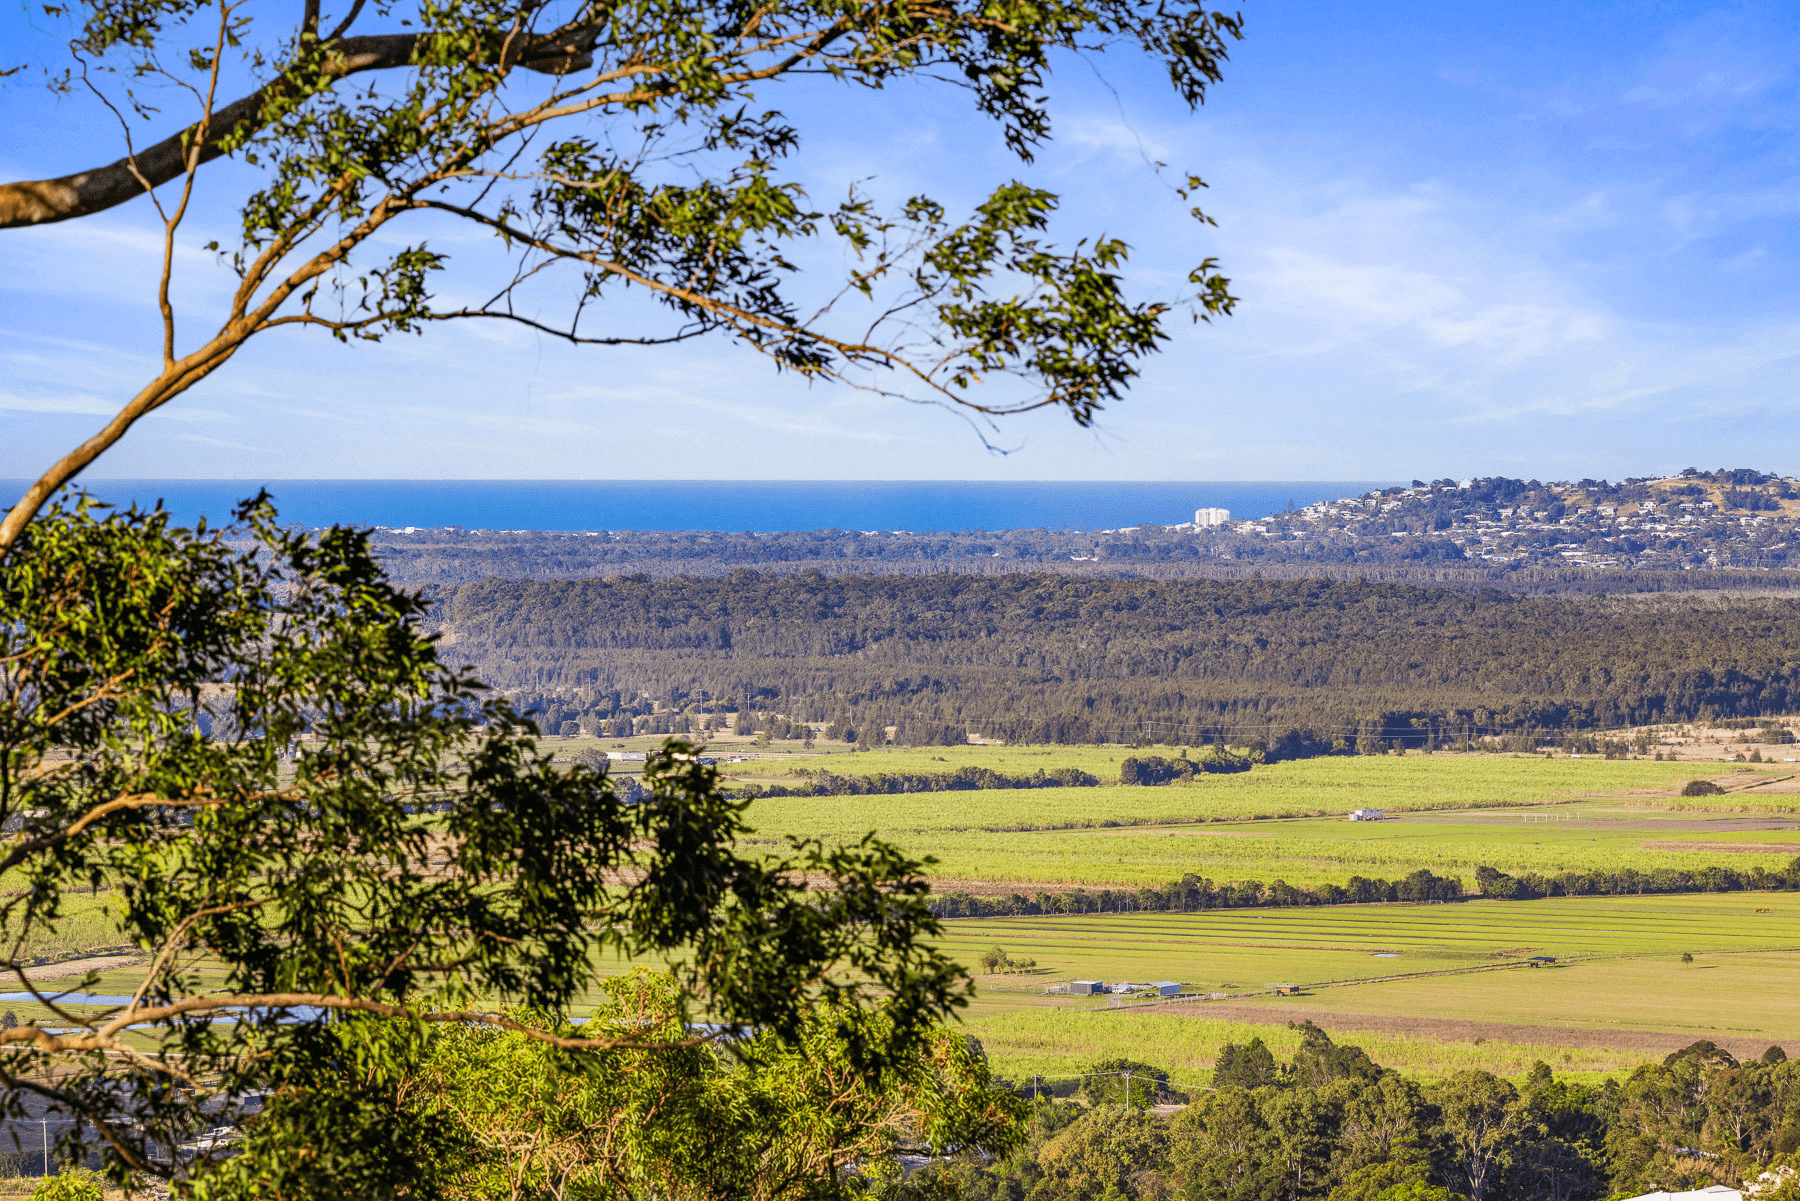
(1291, 666)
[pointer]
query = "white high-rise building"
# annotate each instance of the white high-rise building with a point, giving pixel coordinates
(1207, 518)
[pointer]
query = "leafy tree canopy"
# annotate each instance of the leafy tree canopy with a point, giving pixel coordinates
(241, 755)
(624, 149)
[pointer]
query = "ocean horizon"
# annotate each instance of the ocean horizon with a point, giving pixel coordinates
(757, 506)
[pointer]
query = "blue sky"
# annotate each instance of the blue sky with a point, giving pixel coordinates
(1546, 240)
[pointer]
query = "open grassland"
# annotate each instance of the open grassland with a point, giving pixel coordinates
(1618, 995)
(1237, 950)
(1312, 851)
(1426, 988)
(1296, 788)
(1456, 812)
(1293, 788)
(1054, 1042)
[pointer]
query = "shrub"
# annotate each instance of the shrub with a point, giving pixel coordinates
(1702, 788)
(74, 1184)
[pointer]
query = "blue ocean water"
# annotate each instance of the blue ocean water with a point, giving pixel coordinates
(756, 505)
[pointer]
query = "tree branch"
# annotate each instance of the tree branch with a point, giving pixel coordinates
(44, 201)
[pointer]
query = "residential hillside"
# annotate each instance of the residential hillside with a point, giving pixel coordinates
(1723, 529)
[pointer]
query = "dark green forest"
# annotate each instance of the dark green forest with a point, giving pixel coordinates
(1286, 667)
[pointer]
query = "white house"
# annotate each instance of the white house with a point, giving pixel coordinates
(1712, 1192)
(1368, 815)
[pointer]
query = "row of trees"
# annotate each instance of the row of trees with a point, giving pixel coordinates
(963, 779)
(1331, 1125)
(1155, 769)
(1193, 893)
(1292, 668)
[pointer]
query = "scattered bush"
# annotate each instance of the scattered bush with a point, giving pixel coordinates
(1702, 788)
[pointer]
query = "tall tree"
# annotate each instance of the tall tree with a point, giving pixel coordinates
(238, 751)
(612, 148)
(1481, 1118)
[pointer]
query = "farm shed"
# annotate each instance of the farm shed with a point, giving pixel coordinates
(1166, 988)
(1087, 988)
(1368, 815)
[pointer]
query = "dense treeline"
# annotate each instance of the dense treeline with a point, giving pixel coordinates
(963, 779)
(1192, 893)
(1290, 667)
(1150, 770)
(1332, 1125)
(443, 559)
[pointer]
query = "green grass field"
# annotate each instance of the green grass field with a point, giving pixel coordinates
(1265, 824)
(1241, 949)
(1619, 995)
(1052, 1042)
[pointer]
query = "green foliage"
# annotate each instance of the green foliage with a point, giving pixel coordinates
(1375, 1135)
(651, 165)
(1249, 1066)
(1100, 1154)
(1126, 1082)
(963, 779)
(329, 844)
(995, 959)
(71, 1184)
(1702, 788)
(751, 1118)
(1153, 769)
(1319, 1060)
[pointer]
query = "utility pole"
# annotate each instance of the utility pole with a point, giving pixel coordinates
(45, 1123)
(1128, 1089)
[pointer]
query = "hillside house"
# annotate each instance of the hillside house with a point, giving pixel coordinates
(1712, 1192)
